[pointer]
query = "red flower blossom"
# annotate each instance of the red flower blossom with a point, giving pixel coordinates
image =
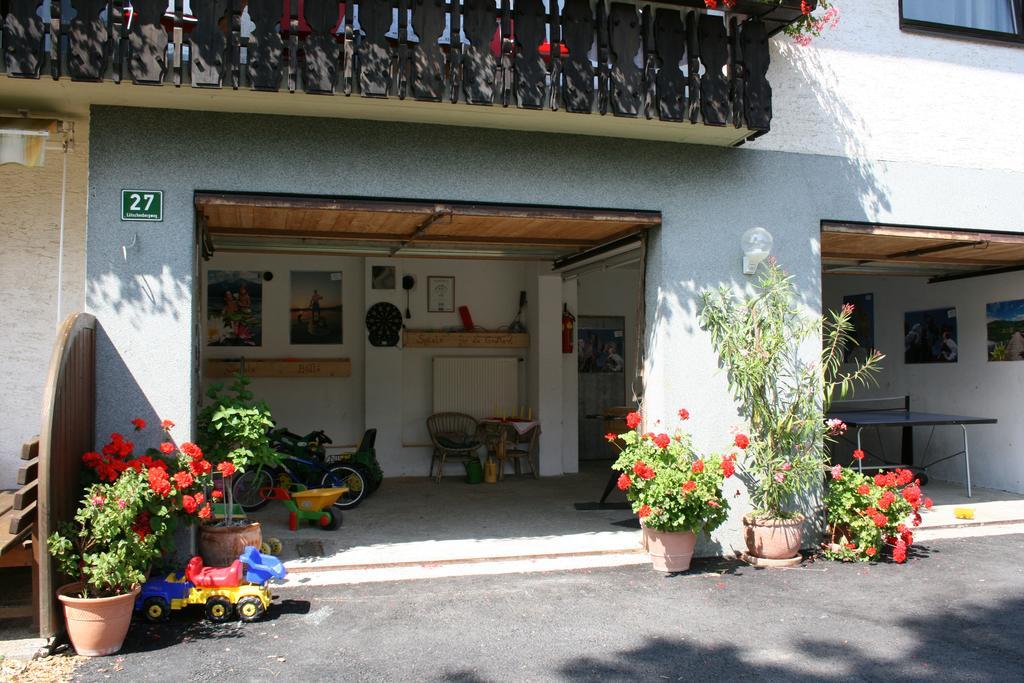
(200, 498)
(858, 454)
(200, 467)
(624, 482)
(632, 420)
(139, 423)
(870, 552)
(912, 494)
(92, 459)
(917, 519)
(880, 520)
(899, 553)
(166, 447)
(728, 468)
(689, 486)
(907, 537)
(662, 440)
(182, 480)
(904, 477)
(188, 504)
(851, 546)
(159, 482)
(928, 503)
(166, 425)
(216, 494)
(643, 470)
(698, 467)
(711, 4)
(684, 414)
(879, 479)
(714, 504)
(886, 500)
(805, 7)
(226, 468)
(141, 525)
(205, 512)
(191, 450)
(644, 511)
(610, 437)
(863, 489)
(742, 441)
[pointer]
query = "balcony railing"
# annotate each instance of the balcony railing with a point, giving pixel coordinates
(676, 63)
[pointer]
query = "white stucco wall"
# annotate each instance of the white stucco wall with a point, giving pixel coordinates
(971, 386)
(30, 235)
(867, 90)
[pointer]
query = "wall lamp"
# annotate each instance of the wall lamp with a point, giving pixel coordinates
(756, 244)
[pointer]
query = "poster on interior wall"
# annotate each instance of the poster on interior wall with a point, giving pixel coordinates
(930, 336)
(315, 307)
(382, 277)
(1005, 323)
(601, 350)
(234, 308)
(863, 333)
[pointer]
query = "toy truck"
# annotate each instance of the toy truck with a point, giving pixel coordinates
(238, 588)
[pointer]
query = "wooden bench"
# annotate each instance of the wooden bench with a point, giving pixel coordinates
(18, 541)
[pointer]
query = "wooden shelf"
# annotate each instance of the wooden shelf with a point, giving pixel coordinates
(280, 367)
(465, 340)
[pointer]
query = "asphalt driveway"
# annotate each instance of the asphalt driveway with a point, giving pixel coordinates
(955, 611)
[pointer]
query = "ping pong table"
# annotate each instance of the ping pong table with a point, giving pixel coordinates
(885, 415)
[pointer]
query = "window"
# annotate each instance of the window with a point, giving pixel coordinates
(984, 19)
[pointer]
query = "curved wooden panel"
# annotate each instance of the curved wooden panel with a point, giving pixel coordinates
(147, 42)
(624, 41)
(88, 41)
(427, 56)
(23, 39)
(321, 50)
(266, 48)
(577, 69)
(530, 71)
(757, 99)
(68, 430)
(479, 23)
(207, 43)
(670, 42)
(374, 51)
(714, 84)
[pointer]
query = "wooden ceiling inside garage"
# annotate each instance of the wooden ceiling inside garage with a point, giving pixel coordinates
(936, 253)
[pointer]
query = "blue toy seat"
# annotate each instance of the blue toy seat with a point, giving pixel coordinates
(260, 568)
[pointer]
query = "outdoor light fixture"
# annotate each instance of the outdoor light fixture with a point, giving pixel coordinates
(756, 244)
(23, 140)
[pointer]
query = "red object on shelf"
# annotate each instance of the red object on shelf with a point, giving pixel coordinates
(213, 577)
(467, 319)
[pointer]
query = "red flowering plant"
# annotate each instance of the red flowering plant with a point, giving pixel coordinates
(671, 486)
(867, 515)
(177, 478)
(815, 17)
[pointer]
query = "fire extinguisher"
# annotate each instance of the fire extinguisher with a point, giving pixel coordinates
(568, 324)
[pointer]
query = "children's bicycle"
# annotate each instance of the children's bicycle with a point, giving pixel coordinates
(304, 463)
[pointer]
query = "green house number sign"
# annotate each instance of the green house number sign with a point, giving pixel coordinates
(142, 205)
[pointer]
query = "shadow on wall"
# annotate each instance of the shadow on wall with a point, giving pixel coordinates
(118, 391)
(135, 295)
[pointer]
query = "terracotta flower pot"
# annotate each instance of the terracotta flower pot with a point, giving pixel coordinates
(219, 546)
(96, 626)
(770, 538)
(670, 551)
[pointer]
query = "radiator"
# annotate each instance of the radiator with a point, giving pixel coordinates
(476, 386)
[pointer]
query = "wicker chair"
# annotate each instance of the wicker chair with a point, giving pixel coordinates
(453, 435)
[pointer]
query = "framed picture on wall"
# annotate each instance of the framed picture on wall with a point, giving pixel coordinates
(382, 277)
(930, 336)
(234, 308)
(1004, 321)
(315, 307)
(440, 294)
(863, 320)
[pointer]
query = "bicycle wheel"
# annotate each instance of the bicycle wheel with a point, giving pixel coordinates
(351, 476)
(246, 489)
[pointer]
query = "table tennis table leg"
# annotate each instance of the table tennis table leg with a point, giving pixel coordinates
(967, 460)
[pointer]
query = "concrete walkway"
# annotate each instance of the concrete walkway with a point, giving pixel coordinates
(951, 613)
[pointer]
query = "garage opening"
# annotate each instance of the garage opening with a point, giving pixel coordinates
(368, 314)
(946, 307)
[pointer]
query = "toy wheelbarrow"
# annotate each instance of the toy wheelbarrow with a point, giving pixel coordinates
(310, 505)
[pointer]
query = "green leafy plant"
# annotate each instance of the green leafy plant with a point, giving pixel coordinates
(670, 486)
(114, 538)
(233, 432)
(867, 514)
(783, 396)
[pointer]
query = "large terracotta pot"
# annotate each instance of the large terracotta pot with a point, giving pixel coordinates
(219, 546)
(670, 551)
(96, 626)
(770, 538)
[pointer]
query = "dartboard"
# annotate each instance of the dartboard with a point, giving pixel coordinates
(384, 323)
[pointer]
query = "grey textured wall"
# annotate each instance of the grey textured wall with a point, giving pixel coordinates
(708, 197)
